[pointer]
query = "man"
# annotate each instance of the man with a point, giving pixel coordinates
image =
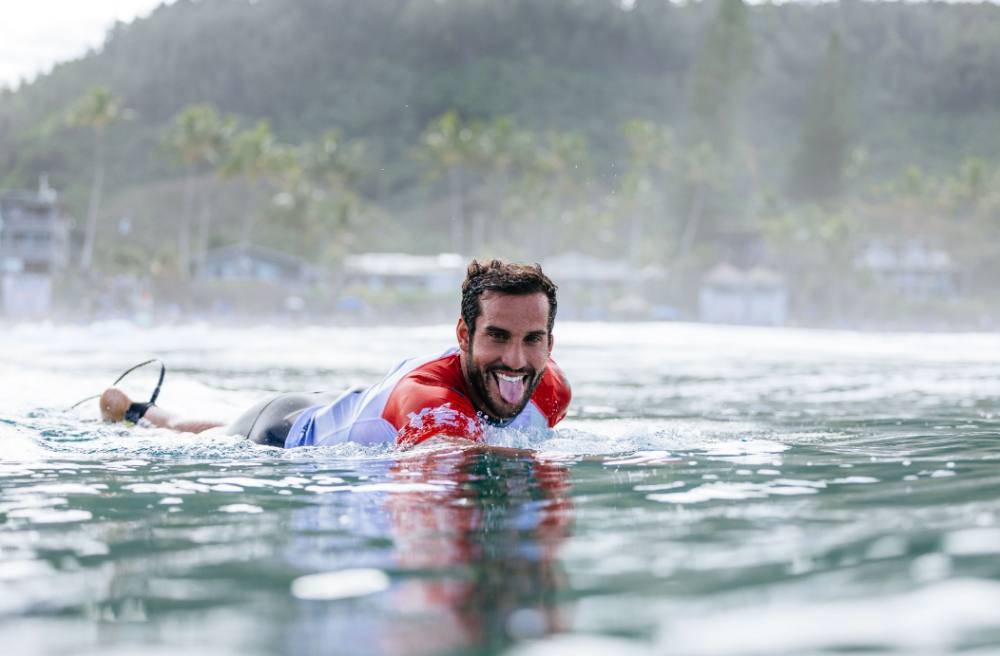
(501, 375)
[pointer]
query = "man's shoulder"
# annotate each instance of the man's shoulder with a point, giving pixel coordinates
(429, 401)
(444, 370)
(553, 394)
(433, 383)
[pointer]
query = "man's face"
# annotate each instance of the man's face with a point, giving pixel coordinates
(504, 359)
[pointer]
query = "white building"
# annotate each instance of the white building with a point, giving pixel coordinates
(257, 264)
(755, 297)
(34, 248)
(436, 274)
(589, 287)
(911, 269)
(595, 288)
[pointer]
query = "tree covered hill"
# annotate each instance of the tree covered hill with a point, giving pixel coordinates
(850, 91)
(924, 80)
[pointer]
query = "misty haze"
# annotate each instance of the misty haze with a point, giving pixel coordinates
(773, 230)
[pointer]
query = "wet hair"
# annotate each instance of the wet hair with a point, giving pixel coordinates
(504, 278)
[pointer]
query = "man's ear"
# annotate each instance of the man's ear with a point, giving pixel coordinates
(462, 333)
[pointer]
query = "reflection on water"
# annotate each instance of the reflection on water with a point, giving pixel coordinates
(493, 533)
(471, 540)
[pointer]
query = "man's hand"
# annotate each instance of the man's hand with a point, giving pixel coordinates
(114, 405)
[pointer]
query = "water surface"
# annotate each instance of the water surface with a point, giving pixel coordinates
(715, 490)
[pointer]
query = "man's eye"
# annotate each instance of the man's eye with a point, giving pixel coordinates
(498, 337)
(534, 339)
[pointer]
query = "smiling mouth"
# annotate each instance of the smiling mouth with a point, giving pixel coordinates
(511, 387)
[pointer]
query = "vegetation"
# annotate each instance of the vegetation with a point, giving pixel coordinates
(96, 110)
(655, 131)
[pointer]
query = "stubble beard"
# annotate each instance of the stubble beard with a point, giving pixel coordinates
(479, 378)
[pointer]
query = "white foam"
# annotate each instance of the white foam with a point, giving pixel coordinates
(931, 618)
(397, 487)
(727, 491)
(49, 515)
(581, 645)
(972, 542)
(23, 569)
(340, 584)
(61, 488)
(247, 508)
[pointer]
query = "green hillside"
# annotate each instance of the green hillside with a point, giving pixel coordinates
(684, 122)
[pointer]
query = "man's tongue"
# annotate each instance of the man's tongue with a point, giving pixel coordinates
(512, 391)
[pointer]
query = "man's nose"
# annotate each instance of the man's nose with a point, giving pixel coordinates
(514, 356)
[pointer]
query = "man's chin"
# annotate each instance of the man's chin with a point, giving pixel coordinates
(503, 411)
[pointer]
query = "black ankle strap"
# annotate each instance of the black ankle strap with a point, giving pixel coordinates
(136, 411)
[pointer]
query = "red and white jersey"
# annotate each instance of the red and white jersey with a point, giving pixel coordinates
(419, 399)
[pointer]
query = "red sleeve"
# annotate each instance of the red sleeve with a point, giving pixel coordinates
(553, 394)
(420, 411)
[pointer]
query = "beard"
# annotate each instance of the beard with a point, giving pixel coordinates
(486, 383)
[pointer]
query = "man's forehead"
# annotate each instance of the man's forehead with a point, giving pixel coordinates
(499, 308)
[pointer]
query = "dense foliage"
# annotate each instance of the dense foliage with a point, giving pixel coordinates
(647, 129)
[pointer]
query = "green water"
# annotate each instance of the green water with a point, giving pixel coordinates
(714, 491)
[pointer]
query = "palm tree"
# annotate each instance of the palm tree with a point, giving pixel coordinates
(702, 171)
(196, 138)
(252, 154)
(553, 182)
(96, 109)
(330, 170)
(446, 146)
(497, 148)
(651, 153)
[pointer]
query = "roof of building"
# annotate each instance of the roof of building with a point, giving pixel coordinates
(243, 254)
(252, 251)
(727, 275)
(573, 266)
(404, 264)
(43, 197)
(908, 257)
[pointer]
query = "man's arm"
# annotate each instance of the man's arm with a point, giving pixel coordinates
(115, 403)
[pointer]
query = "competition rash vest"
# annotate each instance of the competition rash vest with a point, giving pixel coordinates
(419, 399)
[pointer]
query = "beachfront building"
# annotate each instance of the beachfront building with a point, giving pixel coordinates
(589, 287)
(401, 287)
(754, 296)
(34, 249)
(249, 263)
(597, 288)
(910, 269)
(377, 272)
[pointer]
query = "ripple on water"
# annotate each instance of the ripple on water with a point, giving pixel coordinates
(49, 515)
(720, 490)
(244, 508)
(934, 617)
(732, 492)
(340, 584)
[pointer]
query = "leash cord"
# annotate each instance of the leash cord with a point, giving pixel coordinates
(156, 392)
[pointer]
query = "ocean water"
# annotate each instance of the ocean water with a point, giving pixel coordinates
(715, 490)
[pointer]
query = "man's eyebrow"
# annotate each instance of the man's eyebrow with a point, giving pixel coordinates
(496, 329)
(538, 333)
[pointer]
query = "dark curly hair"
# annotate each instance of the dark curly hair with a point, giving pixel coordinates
(505, 278)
